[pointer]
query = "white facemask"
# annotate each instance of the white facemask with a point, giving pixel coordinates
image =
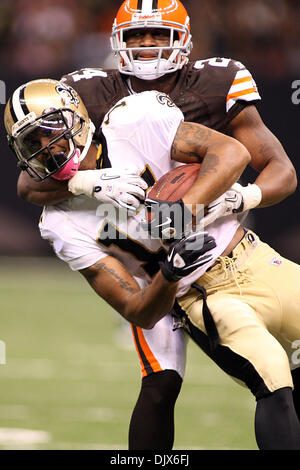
(156, 68)
(150, 69)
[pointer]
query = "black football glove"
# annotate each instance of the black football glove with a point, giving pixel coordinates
(187, 255)
(167, 220)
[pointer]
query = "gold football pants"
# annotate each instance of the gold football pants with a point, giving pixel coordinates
(254, 299)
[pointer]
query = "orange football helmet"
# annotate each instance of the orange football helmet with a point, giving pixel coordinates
(147, 14)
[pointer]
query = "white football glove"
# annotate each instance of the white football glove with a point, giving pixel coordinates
(235, 200)
(124, 189)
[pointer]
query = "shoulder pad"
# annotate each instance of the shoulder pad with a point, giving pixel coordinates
(231, 78)
(146, 106)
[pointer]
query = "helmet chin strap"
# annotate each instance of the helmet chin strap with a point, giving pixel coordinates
(72, 166)
(152, 69)
(149, 70)
(88, 141)
(69, 169)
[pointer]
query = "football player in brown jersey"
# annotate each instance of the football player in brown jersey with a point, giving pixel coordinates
(152, 41)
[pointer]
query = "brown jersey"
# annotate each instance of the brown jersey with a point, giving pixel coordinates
(209, 92)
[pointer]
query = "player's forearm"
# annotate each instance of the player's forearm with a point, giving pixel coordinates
(277, 177)
(48, 192)
(149, 305)
(222, 166)
(223, 160)
(277, 181)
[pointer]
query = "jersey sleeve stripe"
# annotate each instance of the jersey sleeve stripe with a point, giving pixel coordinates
(241, 84)
(249, 97)
(242, 80)
(240, 88)
(237, 94)
(243, 74)
(243, 88)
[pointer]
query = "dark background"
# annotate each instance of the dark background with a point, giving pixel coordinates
(48, 38)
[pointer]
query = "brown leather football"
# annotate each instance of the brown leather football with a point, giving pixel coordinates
(176, 183)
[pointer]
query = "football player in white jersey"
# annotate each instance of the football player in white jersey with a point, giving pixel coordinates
(88, 248)
(122, 135)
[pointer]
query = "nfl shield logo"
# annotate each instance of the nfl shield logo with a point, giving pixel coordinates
(276, 261)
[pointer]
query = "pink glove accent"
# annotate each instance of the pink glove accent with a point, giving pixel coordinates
(70, 169)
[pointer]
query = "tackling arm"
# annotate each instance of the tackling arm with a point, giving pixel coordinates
(48, 192)
(277, 177)
(51, 191)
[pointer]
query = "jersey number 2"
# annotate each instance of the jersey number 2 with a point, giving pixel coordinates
(215, 62)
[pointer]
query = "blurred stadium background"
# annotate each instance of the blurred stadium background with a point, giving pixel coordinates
(66, 383)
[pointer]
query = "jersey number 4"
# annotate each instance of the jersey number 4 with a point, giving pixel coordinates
(87, 74)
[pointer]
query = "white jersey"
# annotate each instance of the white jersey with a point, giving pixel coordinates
(139, 131)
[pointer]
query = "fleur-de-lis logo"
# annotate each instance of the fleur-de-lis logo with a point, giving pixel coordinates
(68, 94)
(162, 98)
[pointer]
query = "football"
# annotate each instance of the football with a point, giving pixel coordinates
(176, 183)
